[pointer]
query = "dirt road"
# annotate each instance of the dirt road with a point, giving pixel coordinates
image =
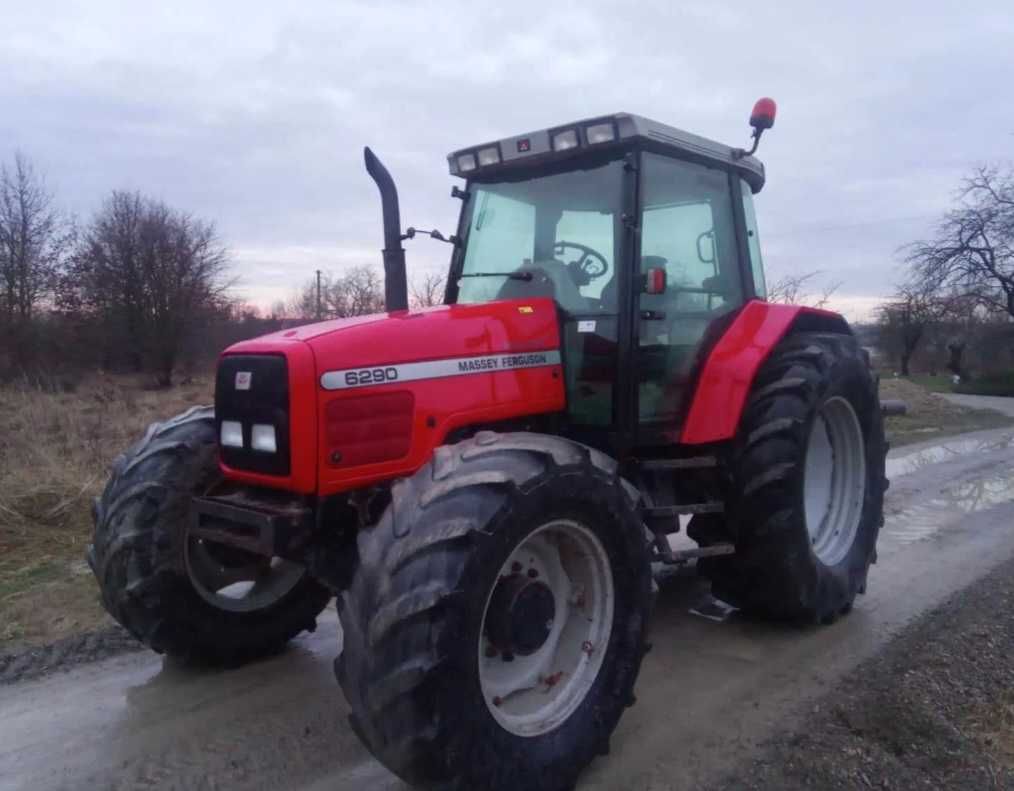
(708, 692)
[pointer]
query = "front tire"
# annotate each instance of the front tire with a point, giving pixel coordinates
(172, 592)
(808, 484)
(434, 670)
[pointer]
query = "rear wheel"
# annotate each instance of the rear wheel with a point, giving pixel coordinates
(495, 625)
(174, 592)
(808, 483)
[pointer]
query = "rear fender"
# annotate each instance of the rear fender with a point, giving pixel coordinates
(730, 368)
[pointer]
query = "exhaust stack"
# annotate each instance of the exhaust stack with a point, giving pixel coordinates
(395, 280)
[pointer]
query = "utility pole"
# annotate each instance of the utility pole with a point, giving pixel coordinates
(318, 296)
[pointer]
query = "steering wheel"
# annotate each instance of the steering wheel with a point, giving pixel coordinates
(591, 265)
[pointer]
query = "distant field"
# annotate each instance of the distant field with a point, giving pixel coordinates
(938, 383)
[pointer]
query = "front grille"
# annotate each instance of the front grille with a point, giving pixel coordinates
(254, 389)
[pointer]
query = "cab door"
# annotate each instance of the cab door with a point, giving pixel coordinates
(688, 230)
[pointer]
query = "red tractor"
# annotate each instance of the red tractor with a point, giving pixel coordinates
(485, 485)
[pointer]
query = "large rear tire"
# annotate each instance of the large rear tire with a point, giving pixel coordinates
(176, 594)
(808, 483)
(501, 546)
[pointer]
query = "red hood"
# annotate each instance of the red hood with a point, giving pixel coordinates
(425, 334)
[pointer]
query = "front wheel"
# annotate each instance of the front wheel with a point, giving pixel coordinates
(174, 592)
(495, 626)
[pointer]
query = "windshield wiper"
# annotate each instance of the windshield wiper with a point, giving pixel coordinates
(511, 275)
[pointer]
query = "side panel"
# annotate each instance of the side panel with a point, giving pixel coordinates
(437, 371)
(439, 407)
(729, 371)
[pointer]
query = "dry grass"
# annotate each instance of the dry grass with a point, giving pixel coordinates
(57, 445)
(993, 726)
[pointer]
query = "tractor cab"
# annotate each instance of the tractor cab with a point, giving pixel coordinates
(642, 234)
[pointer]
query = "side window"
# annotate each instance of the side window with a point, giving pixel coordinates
(756, 262)
(500, 236)
(687, 229)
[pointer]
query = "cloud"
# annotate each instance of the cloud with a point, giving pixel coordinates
(255, 114)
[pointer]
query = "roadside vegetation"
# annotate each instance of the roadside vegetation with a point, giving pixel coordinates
(59, 440)
(930, 416)
(993, 384)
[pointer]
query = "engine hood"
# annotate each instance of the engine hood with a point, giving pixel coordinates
(442, 332)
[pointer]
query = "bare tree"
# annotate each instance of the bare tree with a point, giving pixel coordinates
(905, 320)
(34, 240)
(795, 290)
(151, 274)
(428, 290)
(358, 292)
(972, 253)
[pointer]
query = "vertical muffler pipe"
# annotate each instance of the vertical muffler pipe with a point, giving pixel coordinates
(395, 280)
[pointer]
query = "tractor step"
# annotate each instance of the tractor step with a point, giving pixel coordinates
(694, 462)
(683, 556)
(667, 511)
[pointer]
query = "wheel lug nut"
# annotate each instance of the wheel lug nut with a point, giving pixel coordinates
(516, 567)
(533, 573)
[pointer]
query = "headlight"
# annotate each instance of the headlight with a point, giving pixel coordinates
(600, 133)
(466, 162)
(262, 438)
(489, 156)
(231, 434)
(562, 141)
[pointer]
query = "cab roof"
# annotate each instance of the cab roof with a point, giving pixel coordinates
(594, 134)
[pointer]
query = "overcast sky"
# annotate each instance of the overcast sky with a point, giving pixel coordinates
(254, 114)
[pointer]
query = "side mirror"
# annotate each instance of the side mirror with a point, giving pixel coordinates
(654, 280)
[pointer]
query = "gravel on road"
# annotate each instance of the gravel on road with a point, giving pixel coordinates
(934, 710)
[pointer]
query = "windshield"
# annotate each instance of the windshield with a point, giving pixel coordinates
(557, 235)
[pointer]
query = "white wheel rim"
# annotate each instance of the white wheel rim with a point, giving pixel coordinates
(243, 586)
(532, 695)
(834, 482)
